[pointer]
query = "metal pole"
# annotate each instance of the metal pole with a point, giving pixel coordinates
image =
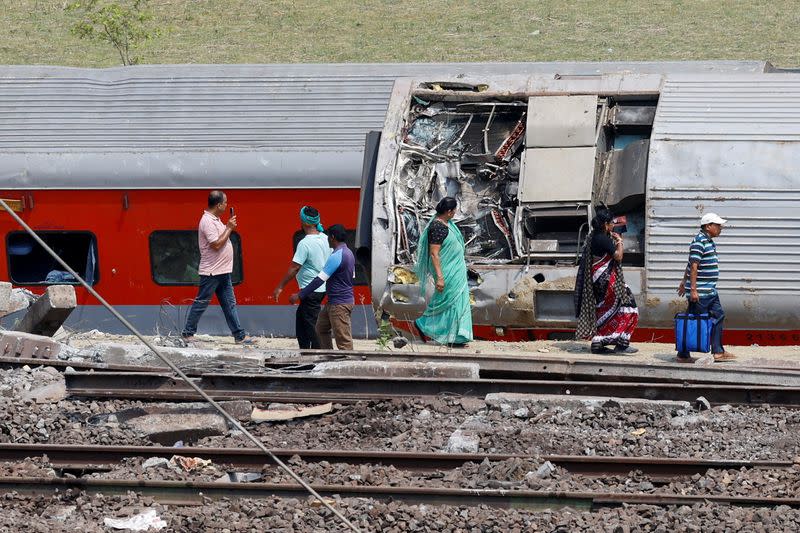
(231, 419)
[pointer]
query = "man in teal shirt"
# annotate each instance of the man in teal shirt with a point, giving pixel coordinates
(309, 258)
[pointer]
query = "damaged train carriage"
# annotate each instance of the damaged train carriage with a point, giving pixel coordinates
(528, 158)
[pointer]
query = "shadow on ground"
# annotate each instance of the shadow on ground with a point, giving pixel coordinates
(572, 346)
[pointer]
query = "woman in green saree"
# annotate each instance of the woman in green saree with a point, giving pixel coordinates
(440, 254)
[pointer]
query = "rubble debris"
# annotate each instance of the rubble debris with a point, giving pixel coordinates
(167, 428)
(18, 299)
(497, 399)
(50, 393)
(290, 413)
(49, 311)
(239, 477)
(189, 464)
(139, 354)
(398, 369)
(144, 521)
(238, 408)
(28, 345)
(399, 342)
(702, 404)
(155, 462)
(522, 412)
(546, 470)
(59, 512)
(462, 442)
(5, 297)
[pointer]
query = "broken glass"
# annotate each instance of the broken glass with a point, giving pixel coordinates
(175, 257)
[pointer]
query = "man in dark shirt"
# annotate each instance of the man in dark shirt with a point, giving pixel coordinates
(337, 274)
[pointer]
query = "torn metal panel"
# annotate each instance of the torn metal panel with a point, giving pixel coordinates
(638, 116)
(403, 276)
(522, 240)
(622, 181)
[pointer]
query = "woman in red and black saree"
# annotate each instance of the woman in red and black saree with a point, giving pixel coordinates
(604, 306)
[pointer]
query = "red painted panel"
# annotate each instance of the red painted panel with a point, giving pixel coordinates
(267, 220)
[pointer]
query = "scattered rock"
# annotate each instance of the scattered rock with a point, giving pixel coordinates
(155, 462)
(701, 404)
(546, 470)
(522, 412)
(460, 442)
(399, 342)
(50, 393)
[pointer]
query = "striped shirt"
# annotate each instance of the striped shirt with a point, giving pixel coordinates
(704, 252)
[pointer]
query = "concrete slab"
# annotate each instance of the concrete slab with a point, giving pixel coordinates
(240, 409)
(5, 297)
(167, 428)
(50, 393)
(18, 300)
(19, 344)
(139, 354)
(49, 311)
(398, 369)
(462, 442)
(514, 400)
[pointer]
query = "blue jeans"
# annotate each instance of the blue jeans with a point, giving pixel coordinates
(711, 305)
(221, 286)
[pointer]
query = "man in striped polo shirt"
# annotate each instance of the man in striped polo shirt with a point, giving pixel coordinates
(700, 283)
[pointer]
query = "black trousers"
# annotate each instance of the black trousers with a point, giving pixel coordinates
(305, 324)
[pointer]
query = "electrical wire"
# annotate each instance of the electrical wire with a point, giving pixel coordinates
(230, 418)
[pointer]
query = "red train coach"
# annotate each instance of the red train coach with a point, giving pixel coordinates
(113, 169)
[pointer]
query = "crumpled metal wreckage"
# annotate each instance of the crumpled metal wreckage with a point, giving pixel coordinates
(472, 155)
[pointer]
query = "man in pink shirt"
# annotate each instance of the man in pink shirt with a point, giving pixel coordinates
(216, 265)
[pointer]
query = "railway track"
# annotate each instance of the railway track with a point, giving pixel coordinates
(196, 493)
(77, 457)
(539, 366)
(151, 383)
(304, 388)
(492, 366)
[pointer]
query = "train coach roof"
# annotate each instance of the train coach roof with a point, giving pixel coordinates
(237, 126)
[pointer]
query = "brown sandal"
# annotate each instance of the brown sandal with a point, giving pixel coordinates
(724, 357)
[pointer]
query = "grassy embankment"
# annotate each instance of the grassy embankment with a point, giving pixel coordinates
(281, 31)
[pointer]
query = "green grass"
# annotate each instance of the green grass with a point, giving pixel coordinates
(281, 31)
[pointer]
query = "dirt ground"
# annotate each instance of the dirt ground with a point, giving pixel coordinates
(764, 356)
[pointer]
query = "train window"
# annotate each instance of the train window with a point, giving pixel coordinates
(30, 264)
(175, 257)
(361, 273)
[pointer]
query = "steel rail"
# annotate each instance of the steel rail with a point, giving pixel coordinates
(231, 419)
(539, 366)
(491, 367)
(196, 493)
(75, 456)
(269, 387)
(61, 365)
